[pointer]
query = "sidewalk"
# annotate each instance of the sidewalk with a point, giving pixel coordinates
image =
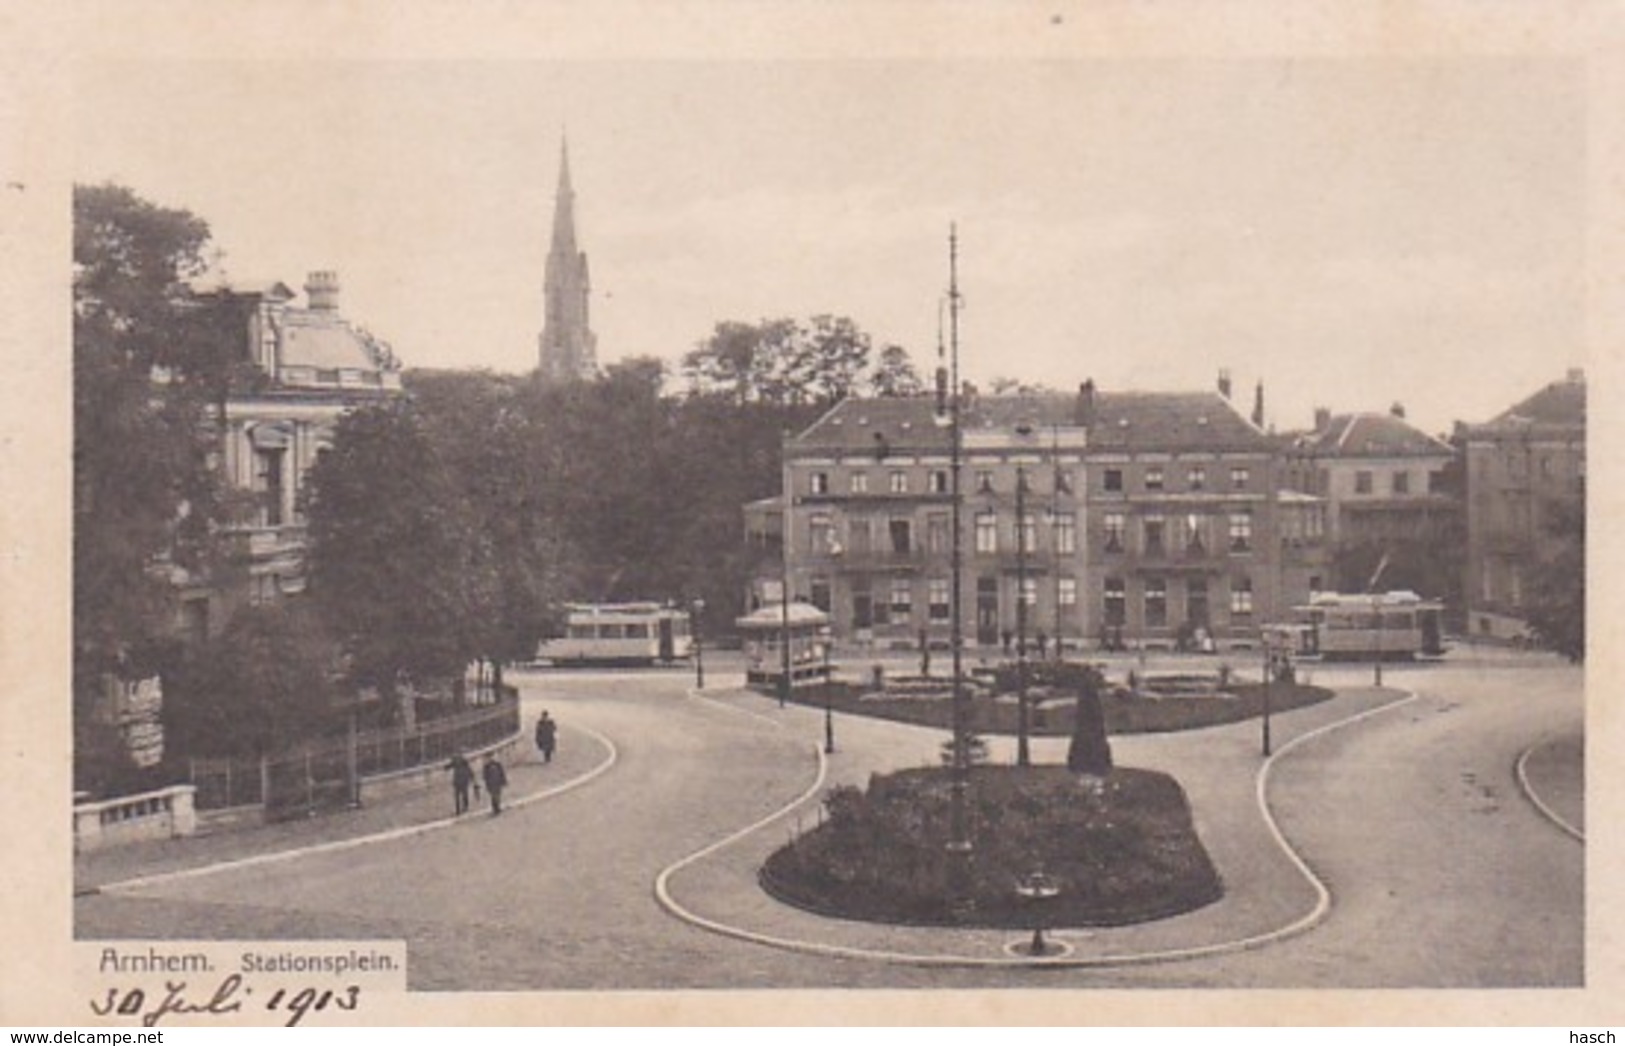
(527, 775)
(1218, 767)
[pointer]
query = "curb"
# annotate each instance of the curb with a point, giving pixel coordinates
(1318, 913)
(1520, 770)
(388, 835)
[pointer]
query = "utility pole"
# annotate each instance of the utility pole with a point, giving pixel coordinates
(959, 843)
(1023, 755)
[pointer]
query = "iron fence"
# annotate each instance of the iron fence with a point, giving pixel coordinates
(331, 772)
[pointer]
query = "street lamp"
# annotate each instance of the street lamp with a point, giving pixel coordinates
(1023, 755)
(699, 653)
(829, 697)
(1269, 679)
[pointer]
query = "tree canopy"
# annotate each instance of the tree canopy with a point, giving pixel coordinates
(1557, 601)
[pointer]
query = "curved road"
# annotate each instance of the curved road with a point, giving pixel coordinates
(1442, 874)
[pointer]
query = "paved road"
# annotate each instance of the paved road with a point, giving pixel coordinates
(1442, 873)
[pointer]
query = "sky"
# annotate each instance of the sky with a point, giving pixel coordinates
(1352, 232)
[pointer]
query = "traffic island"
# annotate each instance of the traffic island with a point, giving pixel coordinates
(1108, 851)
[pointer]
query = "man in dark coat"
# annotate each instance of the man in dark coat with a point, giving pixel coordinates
(462, 778)
(496, 779)
(547, 736)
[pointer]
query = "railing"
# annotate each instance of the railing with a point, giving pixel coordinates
(160, 814)
(324, 774)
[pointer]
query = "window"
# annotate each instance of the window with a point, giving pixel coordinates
(1362, 481)
(1112, 481)
(1196, 611)
(820, 594)
(1195, 534)
(820, 533)
(1029, 532)
(936, 532)
(1156, 602)
(1066, 591)
(1154, 527)
(1196, 478)
(858, 533)
(1241, 597)
(899, 482)
(984, 481)
(900, 536)
(1028, 591)
(863, 607)
(268, 482)
(1112, 523)
(1066, 532)
(987, 532)
(858, 483)
(1116, 602)
(1153, 478)
(938, 593)
(1402, 483)
(902, 601)
(1241, 531)
(818, 482)
(1436, 482)
(1240, 476)
(938, 482)
(1063, 481)
(1314, 583)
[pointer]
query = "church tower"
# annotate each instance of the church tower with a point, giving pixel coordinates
(568, 346)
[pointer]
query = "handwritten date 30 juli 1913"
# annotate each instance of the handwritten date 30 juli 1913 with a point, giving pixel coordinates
(227, 997)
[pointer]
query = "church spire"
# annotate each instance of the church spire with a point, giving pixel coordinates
(568, 348)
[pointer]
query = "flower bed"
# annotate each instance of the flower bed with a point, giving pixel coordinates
(1122, 849)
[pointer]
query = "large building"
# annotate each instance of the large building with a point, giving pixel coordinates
(568, 347)
(1115, 518)
(309, 366)
(1393, 500)
(1523, 466)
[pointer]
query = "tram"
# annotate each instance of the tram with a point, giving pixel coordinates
(620, 633)
(1389, 626)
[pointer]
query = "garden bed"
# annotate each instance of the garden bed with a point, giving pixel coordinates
(1121, 848)
(1052, 710)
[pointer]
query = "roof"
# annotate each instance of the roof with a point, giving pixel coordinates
(1371, 436)
(771, 616)
(310, 339)
(275, 290)
(1561, 404)
(1122, 421)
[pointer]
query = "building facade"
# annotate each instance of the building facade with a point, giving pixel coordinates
(1103, 519)
(1393, 501)
(568, 349)
(309, 366)
(1523, 466)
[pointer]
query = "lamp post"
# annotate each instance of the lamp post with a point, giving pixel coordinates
(1023, 754)
(1269, 681)
(829, 697)
(699, 652)
(784, 597)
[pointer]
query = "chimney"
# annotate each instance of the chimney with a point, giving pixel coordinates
(1258, 405)
(1323, 419)
(1397, 410)
(1083, 411)
(1224, 382)
(1577, 376)
(322, 291)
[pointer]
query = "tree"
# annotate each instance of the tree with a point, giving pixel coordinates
(263, 685)
(894, 374)
(1557, 604)
(393, 559)
(145, 366)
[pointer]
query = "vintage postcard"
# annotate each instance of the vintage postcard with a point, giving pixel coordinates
(762, 514)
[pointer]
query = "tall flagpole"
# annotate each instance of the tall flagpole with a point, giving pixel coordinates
(959, 843)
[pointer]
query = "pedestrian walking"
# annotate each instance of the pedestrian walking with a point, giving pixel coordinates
(496, 779)
(462, 779)
(547, 736)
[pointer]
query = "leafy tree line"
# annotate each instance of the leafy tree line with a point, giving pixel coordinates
(443, 528)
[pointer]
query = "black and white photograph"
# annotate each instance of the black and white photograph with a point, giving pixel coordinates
(876, 512)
